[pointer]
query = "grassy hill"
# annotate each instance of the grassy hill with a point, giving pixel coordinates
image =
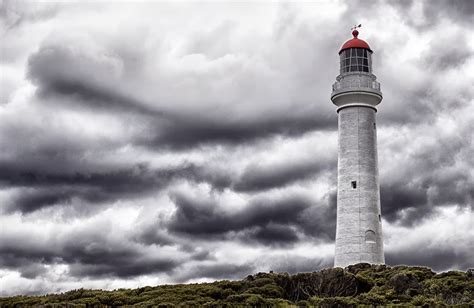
(360, 284)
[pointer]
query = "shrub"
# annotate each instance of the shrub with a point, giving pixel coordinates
(269, 291)
(329, 302)
(261, 282)
(360, 284)
(166, 305)
(371, 299)
(421, 300)
(255, 299)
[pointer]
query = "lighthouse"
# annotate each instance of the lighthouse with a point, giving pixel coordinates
(356, 94)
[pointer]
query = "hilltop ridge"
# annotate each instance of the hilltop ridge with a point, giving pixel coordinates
(360, 284)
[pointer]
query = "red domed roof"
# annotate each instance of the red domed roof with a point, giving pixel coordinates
(355, 43)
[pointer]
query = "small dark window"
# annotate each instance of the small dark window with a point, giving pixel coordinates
(375, 126)
(354, 184)
(380, 218)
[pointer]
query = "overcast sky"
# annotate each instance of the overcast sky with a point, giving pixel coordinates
(152, 143)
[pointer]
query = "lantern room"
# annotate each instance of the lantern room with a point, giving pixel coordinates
(355, 55)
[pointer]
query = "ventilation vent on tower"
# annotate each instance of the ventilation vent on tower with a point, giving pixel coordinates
(354, 184)
(370, 236)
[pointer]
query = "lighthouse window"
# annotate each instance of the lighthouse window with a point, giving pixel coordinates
(370, 236)
(354, 184)
(355, 60)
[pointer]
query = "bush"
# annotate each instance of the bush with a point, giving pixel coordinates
(329, 302)
(360, 284)
(421, 300)
(371, 299)
(255, 300)
(166, 305)
(268, 291)
(261, 282)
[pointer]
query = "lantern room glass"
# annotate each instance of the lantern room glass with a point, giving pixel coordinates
(356, 60)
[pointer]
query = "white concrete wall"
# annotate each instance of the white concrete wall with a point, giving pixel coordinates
(358, 209)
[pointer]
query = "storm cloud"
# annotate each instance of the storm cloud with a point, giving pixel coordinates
(157, 143)
(263, 220)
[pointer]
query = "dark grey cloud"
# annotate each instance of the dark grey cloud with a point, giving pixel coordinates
(206, 217)
(458, 11)
(320, 222)
(32, 270)
(48, 187)
(42, 187)
(297, 264)
(97, 259)
(183, 132)
(273, 233)
(153, 235)
(405, 203)
(30, 201)
(420, 102)
(411, 202)
(262, 220)
(65, 75)
(434, 11)
(439, 176)
(255, 178)
(455, 189)
(29, 267)
(423, 100)
(446, 54)
(87, 254)
(218, 271)
(123, 268)
(438, 258)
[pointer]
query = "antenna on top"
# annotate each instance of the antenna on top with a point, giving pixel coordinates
(356, 26)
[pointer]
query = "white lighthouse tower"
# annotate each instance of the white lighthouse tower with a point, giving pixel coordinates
(356, 93)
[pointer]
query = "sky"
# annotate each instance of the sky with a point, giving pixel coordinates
(144, 143)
